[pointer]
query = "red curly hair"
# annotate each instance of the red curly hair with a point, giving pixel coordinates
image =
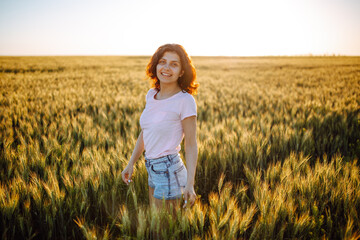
(187, 82)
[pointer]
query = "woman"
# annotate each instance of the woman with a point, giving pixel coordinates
(169, 116)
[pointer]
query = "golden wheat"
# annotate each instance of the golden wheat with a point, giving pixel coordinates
(278, 145)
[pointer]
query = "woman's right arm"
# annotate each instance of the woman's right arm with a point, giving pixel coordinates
(138, 150)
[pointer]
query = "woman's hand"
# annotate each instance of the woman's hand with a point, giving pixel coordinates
(189, 195)
(127, 173)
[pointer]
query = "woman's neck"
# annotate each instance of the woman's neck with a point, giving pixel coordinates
(168, 90)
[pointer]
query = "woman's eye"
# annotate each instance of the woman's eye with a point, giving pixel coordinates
(162, 62)
(175, 64)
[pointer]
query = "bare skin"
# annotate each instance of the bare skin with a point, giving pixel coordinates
(159, 203)
(168, 70)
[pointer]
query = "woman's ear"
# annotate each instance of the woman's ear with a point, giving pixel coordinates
(182, 73)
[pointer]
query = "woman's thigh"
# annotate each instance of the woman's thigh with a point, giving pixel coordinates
(174, 203)
(151, 196)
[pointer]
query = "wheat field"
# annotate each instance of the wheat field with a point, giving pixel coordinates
(278, 138)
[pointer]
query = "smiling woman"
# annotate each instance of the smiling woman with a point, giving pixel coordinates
(169, 68)
(177, 54)
(168, 117)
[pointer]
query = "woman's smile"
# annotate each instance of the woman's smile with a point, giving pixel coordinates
(166, 74)
(168, 69)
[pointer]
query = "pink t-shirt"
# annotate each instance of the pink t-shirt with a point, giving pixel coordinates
(161, 122)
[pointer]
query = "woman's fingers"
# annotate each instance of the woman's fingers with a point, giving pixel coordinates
(126, 176)
(189, 199)
(185, 199)
(192, 199)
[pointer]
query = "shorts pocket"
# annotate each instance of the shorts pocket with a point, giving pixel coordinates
(159, 169)
(181, 176)
(148, 172)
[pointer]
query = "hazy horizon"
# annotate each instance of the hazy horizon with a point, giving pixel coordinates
(143, 55)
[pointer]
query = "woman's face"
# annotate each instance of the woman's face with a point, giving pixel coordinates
(168, 69)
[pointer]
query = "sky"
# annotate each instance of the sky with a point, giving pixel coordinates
(203, 27)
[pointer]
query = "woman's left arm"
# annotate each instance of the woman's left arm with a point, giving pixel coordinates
(191, 155)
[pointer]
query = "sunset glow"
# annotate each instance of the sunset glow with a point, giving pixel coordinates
(231, 28)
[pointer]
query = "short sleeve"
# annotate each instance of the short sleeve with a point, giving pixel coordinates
(149, 94)
(188, 107)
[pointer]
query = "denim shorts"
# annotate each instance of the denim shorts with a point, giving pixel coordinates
(167, 175)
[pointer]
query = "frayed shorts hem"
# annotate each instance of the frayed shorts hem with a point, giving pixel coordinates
(168, 198)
